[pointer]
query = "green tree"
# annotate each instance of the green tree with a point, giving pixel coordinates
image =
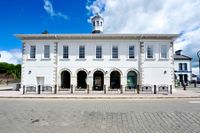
(11, 71)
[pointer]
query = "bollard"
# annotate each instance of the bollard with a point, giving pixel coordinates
(55, 89)
(170, 89)
(138, 89)
(154, 89)
(195, 84)
(23, 89)
(71, 89)
(38, 89)
(184, 88)
(104, 88)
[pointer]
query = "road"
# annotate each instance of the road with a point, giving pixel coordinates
(99, 116)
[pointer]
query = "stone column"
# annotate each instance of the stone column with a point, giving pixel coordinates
(171, 53)
(107, 81)
(74, 82)
(55, 72)
(123, 82)
(141, 58)
(90, 81)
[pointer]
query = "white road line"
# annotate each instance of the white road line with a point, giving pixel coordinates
(194, 101)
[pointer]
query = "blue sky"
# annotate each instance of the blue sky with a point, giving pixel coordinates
(71, 16)
(29, 16)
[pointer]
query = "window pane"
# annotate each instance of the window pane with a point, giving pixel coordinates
(185, 66)
(65, 52)
(149, 51)
(180, 66)
(115, 52)
(131, 52)
(164, 50)
(46, 51)
(32, 51)
(81, 52)
(99, 52)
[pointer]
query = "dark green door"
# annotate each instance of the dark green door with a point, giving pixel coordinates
(132, 80)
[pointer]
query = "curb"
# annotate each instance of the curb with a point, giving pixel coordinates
(80, 97)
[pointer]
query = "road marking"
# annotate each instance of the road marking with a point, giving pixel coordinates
(194, 101)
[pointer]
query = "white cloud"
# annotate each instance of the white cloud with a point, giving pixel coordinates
(153, 16)
(195, 70)
(13, 56)
(48, 6)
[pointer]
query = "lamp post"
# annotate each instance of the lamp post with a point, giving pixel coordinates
(198, 55)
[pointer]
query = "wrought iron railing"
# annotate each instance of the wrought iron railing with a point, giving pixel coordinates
(163, 89)
(146, 88)
(46, 88)
(30, 88)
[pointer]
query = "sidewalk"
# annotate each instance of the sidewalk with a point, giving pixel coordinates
(177, 93)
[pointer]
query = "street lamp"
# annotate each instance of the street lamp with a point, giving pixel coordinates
(198, 55)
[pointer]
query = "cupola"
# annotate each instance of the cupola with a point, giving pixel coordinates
(97, 24)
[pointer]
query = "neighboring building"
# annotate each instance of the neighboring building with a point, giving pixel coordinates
(114, 60)
(194, 78)
(183, 69)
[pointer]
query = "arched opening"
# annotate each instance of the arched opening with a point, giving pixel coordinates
(132, 80)
(115, 80)
(81, 79)
(65, 79)
(98, 80)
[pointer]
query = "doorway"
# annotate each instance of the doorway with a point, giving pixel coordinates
(98, 81)
(115, 80)
(81, 79)
(132, 80)
(65, 79)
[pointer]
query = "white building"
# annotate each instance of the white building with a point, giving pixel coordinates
(97, 61)
(183, 68)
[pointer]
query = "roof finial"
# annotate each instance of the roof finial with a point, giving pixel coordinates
(45, 32)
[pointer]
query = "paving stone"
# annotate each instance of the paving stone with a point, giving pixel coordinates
(99, 116)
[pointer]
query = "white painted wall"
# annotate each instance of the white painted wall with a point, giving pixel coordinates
(157, 71)
(153, 71)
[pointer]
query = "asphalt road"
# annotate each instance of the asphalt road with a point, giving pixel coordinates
(99, 116)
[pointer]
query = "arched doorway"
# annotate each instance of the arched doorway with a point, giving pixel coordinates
(115, 80)
(81, 79)
(98, 80)
(132, 80)
(65, 79)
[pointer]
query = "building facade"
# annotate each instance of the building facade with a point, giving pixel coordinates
(183, 68)
(97, 61)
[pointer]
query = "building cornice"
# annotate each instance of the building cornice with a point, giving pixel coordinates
(97, 36)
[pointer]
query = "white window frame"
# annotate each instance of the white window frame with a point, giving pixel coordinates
(129, 51)
(49, 54)
(30, 53)
(185, 64)
(117, 52)
(80, 51)
(167, 51)
(180, 66)
(96, 52)
(146, 51)
(63, 51)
